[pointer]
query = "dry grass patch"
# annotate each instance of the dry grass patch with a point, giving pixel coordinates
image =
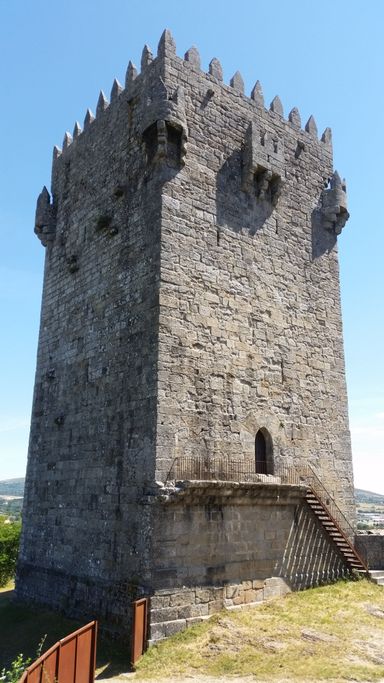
(333, 632)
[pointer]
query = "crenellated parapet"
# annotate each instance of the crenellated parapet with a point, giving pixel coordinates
(271, 149)
(161, 105)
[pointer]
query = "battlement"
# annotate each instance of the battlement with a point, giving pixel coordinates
(135, 82)
(152, 112)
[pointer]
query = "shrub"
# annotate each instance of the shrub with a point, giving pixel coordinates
(16, 670)
(19, 665)
(9, 547)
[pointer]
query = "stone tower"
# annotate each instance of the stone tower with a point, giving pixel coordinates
(190, 329)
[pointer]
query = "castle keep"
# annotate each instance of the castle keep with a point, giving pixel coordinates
(190, 369)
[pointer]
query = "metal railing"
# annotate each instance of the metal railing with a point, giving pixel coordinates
(336, 515)
(309, 476)
(230, 469)
(71, 660)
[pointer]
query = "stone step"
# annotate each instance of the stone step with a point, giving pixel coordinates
(334, 533)
(376, 573)
(347, 552)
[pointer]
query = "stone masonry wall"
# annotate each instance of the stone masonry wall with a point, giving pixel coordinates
(93, 434)
(371, 548)
(220, 545)
(250, 321)
(173, 610)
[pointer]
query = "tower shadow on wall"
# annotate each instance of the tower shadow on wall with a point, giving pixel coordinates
(238, 209)
(323, 241)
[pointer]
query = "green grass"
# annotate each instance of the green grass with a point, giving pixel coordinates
(22, 628)
(334, 632)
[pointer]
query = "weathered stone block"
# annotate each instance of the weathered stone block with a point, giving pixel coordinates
(182, 598)
(172, 627)
(203, 595)
(257, 584)
(200, 610)
(215, 606)
(157, 631)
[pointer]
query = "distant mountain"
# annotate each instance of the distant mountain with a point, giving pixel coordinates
(368, 497)
(12, 487)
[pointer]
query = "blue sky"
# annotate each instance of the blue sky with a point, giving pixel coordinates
(325, 58)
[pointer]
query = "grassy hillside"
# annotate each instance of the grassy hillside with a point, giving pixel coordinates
(368, 497)
(334, 632)
(12, 487)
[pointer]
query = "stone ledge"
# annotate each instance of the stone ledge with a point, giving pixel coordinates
(229, 492)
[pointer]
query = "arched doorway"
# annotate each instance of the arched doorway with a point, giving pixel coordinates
(263, 452)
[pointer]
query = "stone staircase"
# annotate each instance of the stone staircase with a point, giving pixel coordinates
(345, 547)
(377, 576)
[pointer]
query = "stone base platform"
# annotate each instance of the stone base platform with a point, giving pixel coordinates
(172, 611)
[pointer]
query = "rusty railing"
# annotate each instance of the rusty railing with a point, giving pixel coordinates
(71, 660)
(230, 469)
(308, 476)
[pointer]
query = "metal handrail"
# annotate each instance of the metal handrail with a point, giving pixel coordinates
(335, 514)
(220, 468)
(310, 477)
